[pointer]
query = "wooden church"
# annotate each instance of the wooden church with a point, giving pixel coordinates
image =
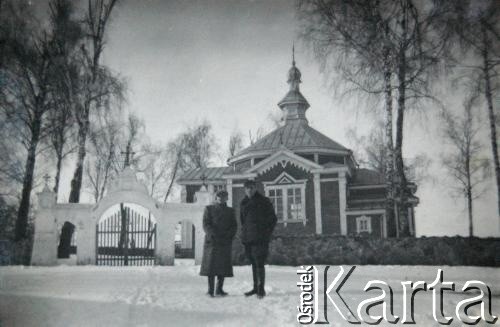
(313, 182)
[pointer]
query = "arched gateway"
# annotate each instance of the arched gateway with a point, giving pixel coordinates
(127, 225)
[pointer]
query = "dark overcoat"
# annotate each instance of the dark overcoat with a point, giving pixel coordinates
(258, 219)
(219, 224)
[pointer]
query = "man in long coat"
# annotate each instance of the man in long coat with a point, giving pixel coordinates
(219, 224)
(258, 220)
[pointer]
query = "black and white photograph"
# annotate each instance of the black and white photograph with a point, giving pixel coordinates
(249, 162)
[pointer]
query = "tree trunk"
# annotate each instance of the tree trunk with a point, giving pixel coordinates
(401, 216)
(491, 115)
(469, 194)
(24, 206)
(58, 173)
(172, 180)
(76, 182)
(403, 229)
(107, 167)
(389, 169)
(400, 172)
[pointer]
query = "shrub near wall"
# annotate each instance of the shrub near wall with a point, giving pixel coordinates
(350, 250)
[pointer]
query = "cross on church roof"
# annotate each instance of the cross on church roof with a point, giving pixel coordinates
(128, 155)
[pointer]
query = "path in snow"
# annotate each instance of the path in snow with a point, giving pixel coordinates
(175, 296)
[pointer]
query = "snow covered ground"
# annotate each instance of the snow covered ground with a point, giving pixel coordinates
(175, 296)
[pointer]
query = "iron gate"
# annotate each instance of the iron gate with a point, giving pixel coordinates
(125, 238)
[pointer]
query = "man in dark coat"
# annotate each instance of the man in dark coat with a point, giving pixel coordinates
(219, 224)
(258, 220)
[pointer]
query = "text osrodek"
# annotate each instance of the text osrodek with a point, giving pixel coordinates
(311, 312)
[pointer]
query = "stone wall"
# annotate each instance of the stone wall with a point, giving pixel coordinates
(51, 216)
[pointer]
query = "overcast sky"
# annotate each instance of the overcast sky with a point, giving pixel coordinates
(227, 61)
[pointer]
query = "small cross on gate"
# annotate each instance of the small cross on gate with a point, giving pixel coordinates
(203, 178)
(46, 178)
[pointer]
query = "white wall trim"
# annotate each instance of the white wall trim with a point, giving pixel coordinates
(330, 179)
(384, 225)
(261, 153)
(230, 191)
(285, 174)
(239, 176)
(343, 203)
(363, 187)
(366, 212)
(317, 204)
(283, 157)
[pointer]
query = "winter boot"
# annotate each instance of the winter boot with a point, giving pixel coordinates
(211, 286)
(254, 290)
(220, 284)
(261, 292)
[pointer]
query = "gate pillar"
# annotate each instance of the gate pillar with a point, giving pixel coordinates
(165, 235)
(86, 242)
(198, 245)
(203, 198)
(45, 238)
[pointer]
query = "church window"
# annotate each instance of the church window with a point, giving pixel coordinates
(288, 202)
(287, 195)
(363, 224)
(276, 197)
(294, 203)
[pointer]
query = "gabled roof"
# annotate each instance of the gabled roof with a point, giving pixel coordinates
(295, 136)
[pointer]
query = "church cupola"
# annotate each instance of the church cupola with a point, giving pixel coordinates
(294, 105)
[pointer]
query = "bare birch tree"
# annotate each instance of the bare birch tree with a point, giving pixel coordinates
(466, 164)
(27, 96)
(371, 152)
(13, 16)
(381, 48)
(235, 143)
(68, 35)
(104, 155)
(96, 83)
(254, 137)
(476, 25)
(199, 145)
(161, 167)
(155, 165)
